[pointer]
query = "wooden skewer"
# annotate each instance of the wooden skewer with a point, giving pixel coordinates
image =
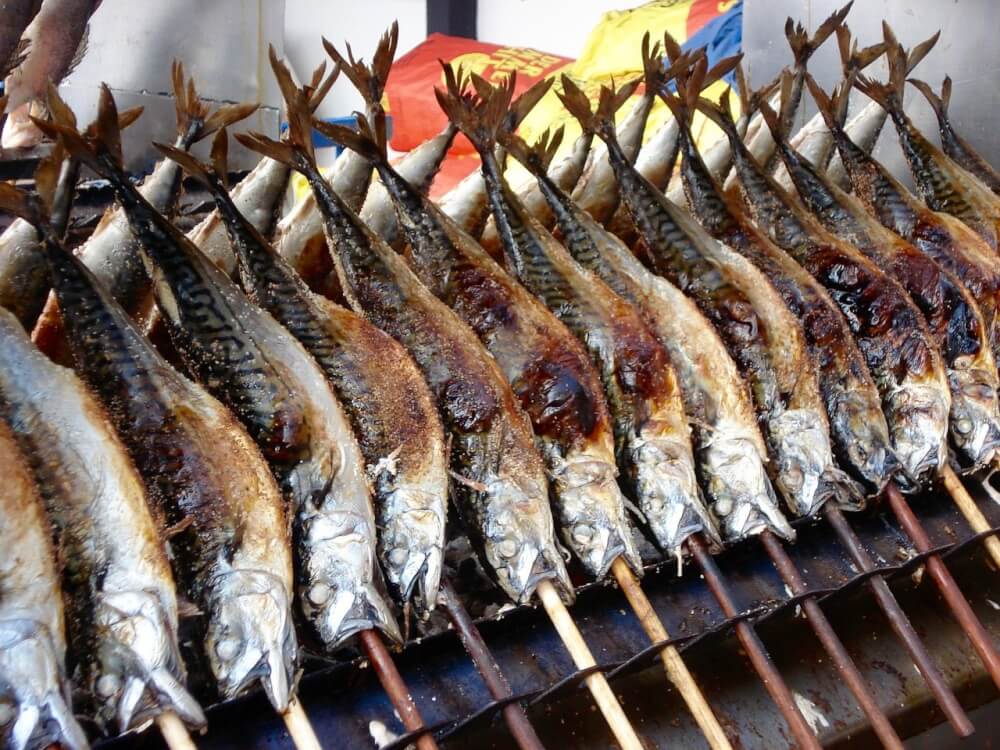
(677, 671)
(174, 733)
(971, 511)
(298, 726)
(578, 649)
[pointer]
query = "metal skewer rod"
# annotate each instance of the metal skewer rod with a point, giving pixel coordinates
(832, 643)
(298, 726)
(901, 624)
(967, 506)
(175, 734)
(677, 671)
(946, 584)
(606, 701)
(762, 664)
(395, 688)
(513, 713)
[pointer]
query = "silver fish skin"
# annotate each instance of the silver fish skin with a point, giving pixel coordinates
(951, 312)
(247, 360)
(57, 34)
(34, 691)
(546, 367)
(206, 477)
(121, 601)
(390, 406)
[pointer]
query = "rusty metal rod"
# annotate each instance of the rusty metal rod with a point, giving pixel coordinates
(513, 713)
(769, 675)
(395, 688)
(901, 624)
(831, 643)
(949, 589)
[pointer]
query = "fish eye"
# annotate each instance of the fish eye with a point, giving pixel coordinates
(319, 593)
(107, 685)
(507, 547)
(227, 649)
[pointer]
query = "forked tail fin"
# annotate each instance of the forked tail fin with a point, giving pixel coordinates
(833, 106)
(852, 59)
(368, 141)
(803, 46)
(480, 113)
(601, 120)
(536, 157)
(369, 80)
(195, 120)
(938, 103)
(213, 175)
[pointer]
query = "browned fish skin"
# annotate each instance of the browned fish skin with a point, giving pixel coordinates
(119, 593)
(34, 689)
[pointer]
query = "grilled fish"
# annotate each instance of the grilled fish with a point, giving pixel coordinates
(942, 183)
(951, 312)
(383, 392)
(652, 437)
(500, 486)
(57, 39)
(35, 707)
(955, 146)
(206, 478)
(845, 390)
(546, 367)
(252, 364)
(120, 597)
(111, 251)
(729, 447)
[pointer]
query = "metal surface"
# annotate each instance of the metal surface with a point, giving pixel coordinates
(967, 51)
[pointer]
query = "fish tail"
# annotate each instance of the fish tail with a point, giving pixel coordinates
(803, 46)
(654, 75)
(938, 103)
(889, 94)
(195, 121)
(750, 98)
(853, 59)
(369, 80)
(830, 105)
(100, 148)
(212, 175)
(537, 157)
(721, 114)
(368, 141)
(480, 113)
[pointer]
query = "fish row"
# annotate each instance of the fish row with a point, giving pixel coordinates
(323, 384)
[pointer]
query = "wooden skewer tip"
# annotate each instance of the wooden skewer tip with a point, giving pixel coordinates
(299, 728)
(174, 733)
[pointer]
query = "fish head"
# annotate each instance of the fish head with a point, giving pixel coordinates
(591, 512)
(861, 440)
(412, 520)
(918, 415)
(139, 673)
(35, 709)
(975, 416)
(519, 537)
(250, 636)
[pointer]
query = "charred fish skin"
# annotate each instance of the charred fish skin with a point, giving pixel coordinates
(208, 479)
(950, 310)
(546, 367)
(887, 326)
(120, 595)
(390, 406)
(34, 689)
(652, 437)
(252, 364)
(500, 489)
(955, 146)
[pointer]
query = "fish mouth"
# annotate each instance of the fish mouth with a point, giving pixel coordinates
(34, 694)
(974, 424)
(667, 490)
(807, 475)
(919, 426)
(411, 546)
(591, 511)
(250, 635)
(862, 443)
(738, 485)
(140, 670)
(519, 539)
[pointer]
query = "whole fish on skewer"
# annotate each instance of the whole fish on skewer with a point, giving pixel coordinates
(941, 237)
(914, 390)
(766, 341)
(730, 450)
(382, 390)
(35, 702)
(943, 184)
(206, 478)
(546, 367)
(251, 363)
(652, 436)
(951, 312)
(111, 250)
(500, 488)
(120, 597)
(955, 146)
